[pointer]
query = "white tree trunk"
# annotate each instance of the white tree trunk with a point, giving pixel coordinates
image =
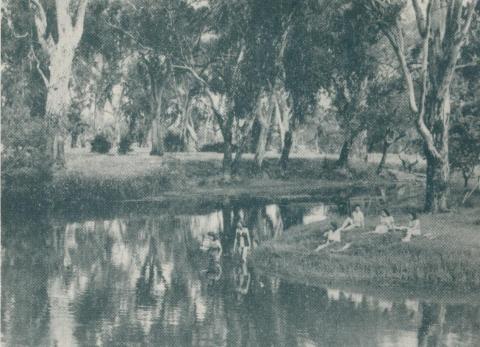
(61, 53)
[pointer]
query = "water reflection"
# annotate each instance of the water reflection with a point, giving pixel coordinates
(144, 280)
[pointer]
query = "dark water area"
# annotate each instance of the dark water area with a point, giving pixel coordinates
(139, 276)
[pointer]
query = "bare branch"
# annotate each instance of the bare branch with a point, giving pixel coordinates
(79, 20)
(218, 115)
(12, 28)
(397, 44)
(39, 69)
(41, 26)
(192, 71)
(452, 59)
(421, 24)
(470, 64)
(137, 41)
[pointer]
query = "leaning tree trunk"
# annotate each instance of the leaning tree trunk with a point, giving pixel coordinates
(383, 160)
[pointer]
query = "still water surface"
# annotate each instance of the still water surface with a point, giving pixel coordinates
(138, 279)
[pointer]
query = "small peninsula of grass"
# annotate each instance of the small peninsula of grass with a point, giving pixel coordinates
(452, 258)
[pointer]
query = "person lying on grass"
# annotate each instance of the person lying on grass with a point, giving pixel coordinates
(387, 223)
(332, 235)
(357, 220)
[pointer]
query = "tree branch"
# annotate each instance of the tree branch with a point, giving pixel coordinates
(421, 24)
(39, 69)
(459, 40)
(192, 71)
(41, 26)
(218, 115)
(64, 21)
(398, 48)
(470, 64)
(79, 20)
(133, 38)
(422, 128)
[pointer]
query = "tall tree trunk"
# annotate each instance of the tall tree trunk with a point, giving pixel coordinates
(158, 137)
(158, 128)
(437, 184)
(287, 146)
(466, 178)
(74, 143)
(343, 159)
(261, 148)
(227, 149)
(438, 168)
(60, 53)
(264, 118)
(58, 101)
(383, 160)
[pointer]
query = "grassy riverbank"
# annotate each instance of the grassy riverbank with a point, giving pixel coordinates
(452, 258)
(139, 176)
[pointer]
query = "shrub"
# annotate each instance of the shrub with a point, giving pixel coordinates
(216, 147)
(101, 144)
(26, 168)
(174, 142)
(125, 144)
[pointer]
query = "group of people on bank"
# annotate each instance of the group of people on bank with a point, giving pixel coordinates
(357, 221)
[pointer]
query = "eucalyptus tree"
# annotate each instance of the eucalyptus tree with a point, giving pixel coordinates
(59, 28)
(162, 35)
(351, 73)
(443, 27)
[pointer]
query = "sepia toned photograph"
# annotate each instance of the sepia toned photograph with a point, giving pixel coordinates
(240, 173)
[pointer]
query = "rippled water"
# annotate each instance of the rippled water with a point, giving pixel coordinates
(137, 278)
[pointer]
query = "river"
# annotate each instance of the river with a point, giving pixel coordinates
(139, 277)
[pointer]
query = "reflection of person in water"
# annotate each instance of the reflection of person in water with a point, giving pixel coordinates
(215, 249)
(242, 241)
(214, 270)
(242, 279)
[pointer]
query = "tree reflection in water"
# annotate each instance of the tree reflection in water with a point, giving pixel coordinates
(141, 281)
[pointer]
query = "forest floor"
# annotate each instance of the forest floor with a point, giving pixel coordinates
(138, 176)
(450, 259)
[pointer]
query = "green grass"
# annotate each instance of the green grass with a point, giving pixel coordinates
(451, 259)
(139, 176)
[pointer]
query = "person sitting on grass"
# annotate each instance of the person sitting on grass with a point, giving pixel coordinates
(413, 228)
(357, 220)
(332, 235)
(387, 223)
